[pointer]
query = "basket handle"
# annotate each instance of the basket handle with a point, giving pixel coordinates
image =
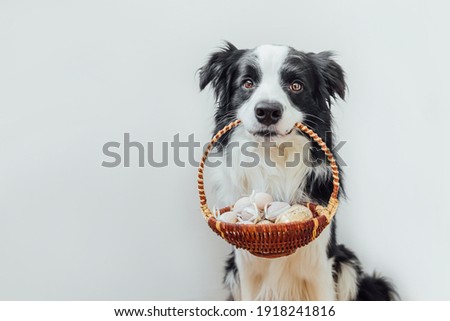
(329, 211)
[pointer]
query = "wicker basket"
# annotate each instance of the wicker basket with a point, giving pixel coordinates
(272, 240)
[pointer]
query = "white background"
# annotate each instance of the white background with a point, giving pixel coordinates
(74, 76)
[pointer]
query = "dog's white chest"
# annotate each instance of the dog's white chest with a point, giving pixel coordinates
(304, 275)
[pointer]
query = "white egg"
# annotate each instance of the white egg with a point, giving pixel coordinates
(274, 209)
(262, 199)
(297, 213)
(241, 203)
(228, 217)
(250, 213)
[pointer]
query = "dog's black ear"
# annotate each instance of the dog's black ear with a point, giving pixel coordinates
(215, 71)
(332, 74)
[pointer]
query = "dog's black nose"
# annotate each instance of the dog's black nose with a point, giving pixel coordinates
(268, 112)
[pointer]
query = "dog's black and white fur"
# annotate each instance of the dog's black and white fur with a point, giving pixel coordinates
(270, 88)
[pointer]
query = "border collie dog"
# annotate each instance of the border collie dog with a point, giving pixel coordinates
(270, 88)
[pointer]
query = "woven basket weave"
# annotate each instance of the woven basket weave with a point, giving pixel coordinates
(272, 240)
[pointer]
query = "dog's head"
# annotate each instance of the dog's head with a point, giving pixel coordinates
(272, 87)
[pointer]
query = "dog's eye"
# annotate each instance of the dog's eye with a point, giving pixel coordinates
(296, 86)
(248, 84)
